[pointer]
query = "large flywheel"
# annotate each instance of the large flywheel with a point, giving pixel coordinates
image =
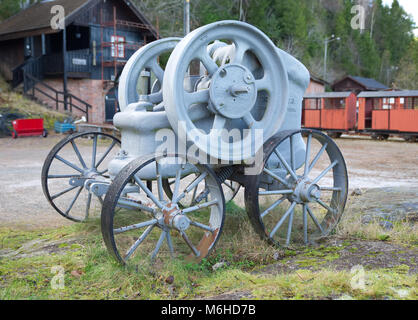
(245, 86)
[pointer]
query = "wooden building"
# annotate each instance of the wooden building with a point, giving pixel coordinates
(73, 67)
(358, 84)
(330, 111)
(388, 112)
(316, 85)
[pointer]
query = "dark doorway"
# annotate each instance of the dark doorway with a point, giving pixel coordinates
(111, 104)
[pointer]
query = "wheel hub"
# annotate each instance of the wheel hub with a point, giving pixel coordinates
(305, 191)
(233, 92)
(173, 218)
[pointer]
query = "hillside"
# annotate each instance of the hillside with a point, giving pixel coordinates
(13, 104)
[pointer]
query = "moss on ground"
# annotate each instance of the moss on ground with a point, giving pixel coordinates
(90, 273)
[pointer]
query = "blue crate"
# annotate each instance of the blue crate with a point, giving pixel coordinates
(61, 127)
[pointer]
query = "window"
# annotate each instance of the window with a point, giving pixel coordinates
(312, 104)
(335, 103)
(118, 46)
(411, 103)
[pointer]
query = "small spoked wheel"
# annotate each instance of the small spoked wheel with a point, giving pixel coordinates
(76, 161)
(300, 194)
(230, 189)
(141, 223)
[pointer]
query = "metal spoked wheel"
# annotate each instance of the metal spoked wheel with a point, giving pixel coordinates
(230, 189)
(76, 160)
(301, 193)
(137, 220)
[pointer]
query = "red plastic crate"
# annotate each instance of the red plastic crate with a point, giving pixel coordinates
(28, 127)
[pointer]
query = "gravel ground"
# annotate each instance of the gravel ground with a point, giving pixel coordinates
(371, 164)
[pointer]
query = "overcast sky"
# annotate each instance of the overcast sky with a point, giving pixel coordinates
(410, 6)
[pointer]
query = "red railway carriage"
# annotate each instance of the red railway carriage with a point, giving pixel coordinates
(389, 112)
(334, 112)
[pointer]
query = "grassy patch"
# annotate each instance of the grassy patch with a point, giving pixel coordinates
(13, 102)
(90, 273)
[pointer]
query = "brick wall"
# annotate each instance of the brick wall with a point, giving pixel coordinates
(91, 91)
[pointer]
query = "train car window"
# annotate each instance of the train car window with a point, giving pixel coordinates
(335, 103)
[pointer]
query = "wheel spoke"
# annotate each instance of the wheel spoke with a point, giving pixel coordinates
(105, 154)
(218, 122)
(240, 50)
(193, 184)
(292, 152)
(135, 226)
(308, 152)
(273, 192)
(93, 156)
(323, 173)
(170, 244)
(159, 181)
(275, 176)
(189, 243)
(274, 205)
(77, 152)
(314, 161)
(249, 120)
(318, 225)
(68, 163)
(200, 206)
(207, 61)
(305, 224)
(278, 225)
(129, 204)
(289, 228)
(63, 176)
(139, 241)
(148, 192)
(177, 182)
(202, 226)
(63, 192)
(74, 200)
(201, 96)
(263, 84)
(157, 70)
(159, 243)
(286, 165)
(323, 204)
(88, 206)
(330, 189)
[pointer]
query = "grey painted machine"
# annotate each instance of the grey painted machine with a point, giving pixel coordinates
(224, 113)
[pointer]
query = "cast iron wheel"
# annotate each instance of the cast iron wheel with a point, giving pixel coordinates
(295, 186)
(135, 216)
(74, 160)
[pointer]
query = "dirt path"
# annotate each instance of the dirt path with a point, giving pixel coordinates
(371, 164)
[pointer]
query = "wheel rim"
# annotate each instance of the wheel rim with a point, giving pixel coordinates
(145, 58)
(273, 83)
(301, 195)
(73, 162)
(146, 225)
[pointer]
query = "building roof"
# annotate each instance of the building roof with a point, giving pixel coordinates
(344, 94)
(388, 94)
(317, 79)
(36, 19)
(367, 83)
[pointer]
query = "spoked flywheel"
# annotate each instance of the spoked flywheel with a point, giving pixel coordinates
(141, 223)
(71, 166)
(301, 192)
